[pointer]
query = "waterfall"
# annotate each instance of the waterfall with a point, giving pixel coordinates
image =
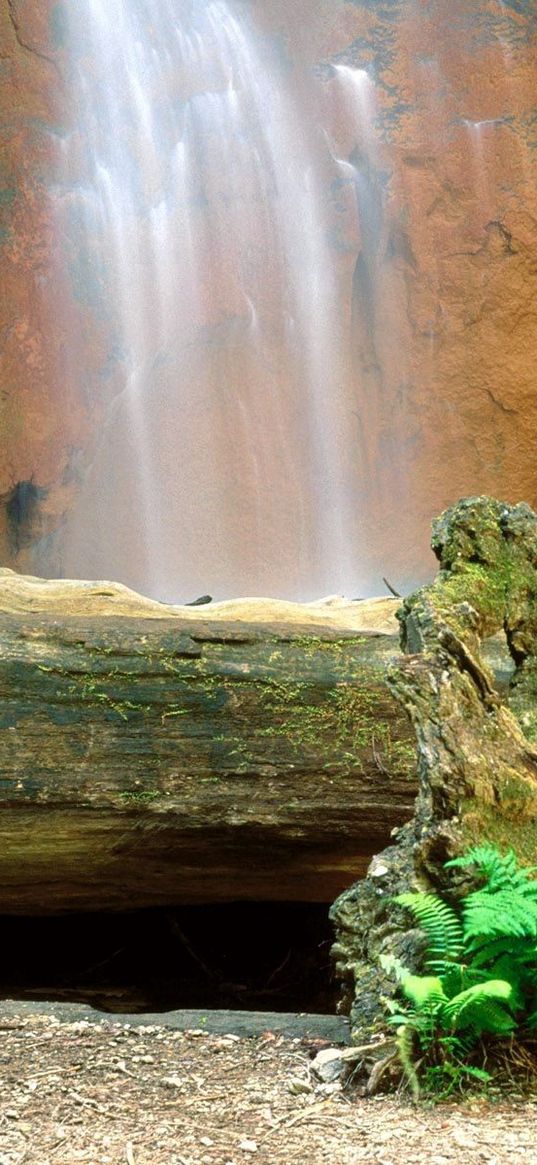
(195, 212)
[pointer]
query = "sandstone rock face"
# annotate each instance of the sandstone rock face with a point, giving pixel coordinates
(426, 182)
(44, 413)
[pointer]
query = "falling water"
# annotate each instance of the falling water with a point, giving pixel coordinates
(360, 93)
(195, 191)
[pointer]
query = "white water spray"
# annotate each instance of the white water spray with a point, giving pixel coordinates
(225, 462)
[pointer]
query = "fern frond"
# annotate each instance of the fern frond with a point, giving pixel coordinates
(480, 1008)
(439, 921)
(424, 991)
(394, 967)
(504, 912)
(485, 951)
(515, 973)
(457, 977)
(529, 975)
(501, 871)
(405, 1048)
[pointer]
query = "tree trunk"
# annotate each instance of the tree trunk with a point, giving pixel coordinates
(153, 755)
(477, 761)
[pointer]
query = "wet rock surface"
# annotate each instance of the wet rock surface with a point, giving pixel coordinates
(433, 236)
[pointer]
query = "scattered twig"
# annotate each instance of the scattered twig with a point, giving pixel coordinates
(381, 768)
(377, 1072)
(129, 1153)
(178, 932)
(120, 1066)
(90, 1102)
(310, 1111)
(392, 589)
(283, 963)
(59, 1144)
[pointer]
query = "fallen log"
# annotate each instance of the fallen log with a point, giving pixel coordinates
(152, 755)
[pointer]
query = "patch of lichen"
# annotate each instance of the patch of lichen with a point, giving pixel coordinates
(480, 565)
(334, 699)
(304, 657)
(335, 711)
(475, 598)
(310, 644)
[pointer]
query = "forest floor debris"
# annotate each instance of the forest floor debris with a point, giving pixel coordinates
(117, 1094)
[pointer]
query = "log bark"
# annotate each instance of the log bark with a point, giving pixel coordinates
(477, 751)
(152, 755)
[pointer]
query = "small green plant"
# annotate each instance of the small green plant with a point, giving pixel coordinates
(482, 973)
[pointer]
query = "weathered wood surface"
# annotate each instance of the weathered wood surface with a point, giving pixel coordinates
(152, 754)
(477, 744)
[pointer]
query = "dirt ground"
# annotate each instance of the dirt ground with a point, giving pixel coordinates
(110, 1093)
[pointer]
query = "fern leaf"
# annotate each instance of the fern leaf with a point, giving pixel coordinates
(507, 968)
(504, 912)
(405, 1048)
(456, 977)
(485, 951)
(480, 1008)
(424, 991)
(393, 967)
(501, 871)
(439, 921)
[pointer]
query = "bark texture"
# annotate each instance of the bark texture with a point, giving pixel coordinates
(152, 755)
(477, 756)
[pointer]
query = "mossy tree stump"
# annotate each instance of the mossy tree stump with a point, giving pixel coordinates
(477, 759)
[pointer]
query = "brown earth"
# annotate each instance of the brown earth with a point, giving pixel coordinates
(111, 1094)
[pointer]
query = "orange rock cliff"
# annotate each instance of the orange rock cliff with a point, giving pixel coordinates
(433, 242)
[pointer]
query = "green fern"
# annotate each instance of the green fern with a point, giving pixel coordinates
(480, 1009)
(439, 921)
(499, 913)
(501, 871)
(485, 951)
(405, 1048)
(482, 963)
(424, 991)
